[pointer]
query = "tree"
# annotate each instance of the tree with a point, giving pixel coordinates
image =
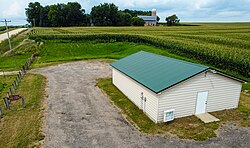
(123, 19)
(43, 19)
(158, 18)
(75, 14)
(104, 14)
(33, 13)
(53, 15)
(86, 19)
(172, 20)
(70, 14)
(135, 13)
(136, 21)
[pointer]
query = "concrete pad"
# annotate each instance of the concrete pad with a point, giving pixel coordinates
(207, 118)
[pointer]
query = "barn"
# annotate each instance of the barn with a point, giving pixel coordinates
(150, 20)
(166, 88)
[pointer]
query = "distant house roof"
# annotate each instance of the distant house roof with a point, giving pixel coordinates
(148, 18)
(156, 72)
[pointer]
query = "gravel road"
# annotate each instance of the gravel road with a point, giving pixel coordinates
(13, 32)
(78, 114)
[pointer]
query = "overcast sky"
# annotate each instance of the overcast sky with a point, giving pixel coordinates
(186, 10)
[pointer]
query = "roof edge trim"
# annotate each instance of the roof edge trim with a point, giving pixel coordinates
(227, 75)
(159, 92)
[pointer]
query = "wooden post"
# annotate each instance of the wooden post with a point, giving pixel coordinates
(10, 93)
(1, 112)
(6, 102)
(23, 103)
(19, 76)
(26, 66)
(13, 88)
(23, 70)
(16, 81)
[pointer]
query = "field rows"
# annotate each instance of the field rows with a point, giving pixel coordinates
(224, 46)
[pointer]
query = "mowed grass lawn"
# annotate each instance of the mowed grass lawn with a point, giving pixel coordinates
(20, 127)
(60, 51)
(56, 51)
(187, 127)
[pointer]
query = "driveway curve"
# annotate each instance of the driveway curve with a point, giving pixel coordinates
(78, 114)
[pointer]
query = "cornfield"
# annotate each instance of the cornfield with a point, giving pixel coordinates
(225, 46)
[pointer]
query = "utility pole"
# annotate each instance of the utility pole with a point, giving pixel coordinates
(6, 25)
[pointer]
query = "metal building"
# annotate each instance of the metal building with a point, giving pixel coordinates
(166, 88)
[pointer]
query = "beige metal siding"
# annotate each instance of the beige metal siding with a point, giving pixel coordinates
(223, 93)
(133, 91)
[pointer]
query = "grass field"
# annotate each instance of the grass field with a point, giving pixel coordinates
(67, 50)
(223, 45)
(20, 127)
(187, 127)
(19, 54)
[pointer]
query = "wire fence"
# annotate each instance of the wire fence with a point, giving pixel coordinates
(10, 95)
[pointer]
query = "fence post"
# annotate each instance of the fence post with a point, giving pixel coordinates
(26, 66)
(13, 88)
(16, 81)
(1, 112)
(19, 76)
(23, 70)
(14, 85)
(10, 93)
(23, 102)
(6, 103)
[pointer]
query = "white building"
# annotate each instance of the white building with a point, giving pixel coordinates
(150, 20)
(165, 88)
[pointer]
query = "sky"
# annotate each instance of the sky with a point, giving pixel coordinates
(186, 10)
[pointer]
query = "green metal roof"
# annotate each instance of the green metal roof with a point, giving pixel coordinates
(156, 72)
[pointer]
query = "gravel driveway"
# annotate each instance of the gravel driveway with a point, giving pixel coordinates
(80, 115)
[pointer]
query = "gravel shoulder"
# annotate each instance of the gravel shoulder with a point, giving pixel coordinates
(79, 114)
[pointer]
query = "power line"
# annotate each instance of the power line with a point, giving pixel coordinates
(6, 25)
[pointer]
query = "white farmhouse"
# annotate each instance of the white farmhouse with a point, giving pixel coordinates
(165, 88)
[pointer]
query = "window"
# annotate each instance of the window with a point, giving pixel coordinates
(168, 115)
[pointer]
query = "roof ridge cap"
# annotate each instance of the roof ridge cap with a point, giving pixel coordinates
(176, 59)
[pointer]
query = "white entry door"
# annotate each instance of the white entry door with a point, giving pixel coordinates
(201, 102)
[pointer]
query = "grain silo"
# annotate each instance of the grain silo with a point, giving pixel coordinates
(153, 12)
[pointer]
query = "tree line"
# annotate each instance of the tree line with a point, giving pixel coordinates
(72, 14)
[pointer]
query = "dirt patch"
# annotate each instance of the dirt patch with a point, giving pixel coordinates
(78, 114)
